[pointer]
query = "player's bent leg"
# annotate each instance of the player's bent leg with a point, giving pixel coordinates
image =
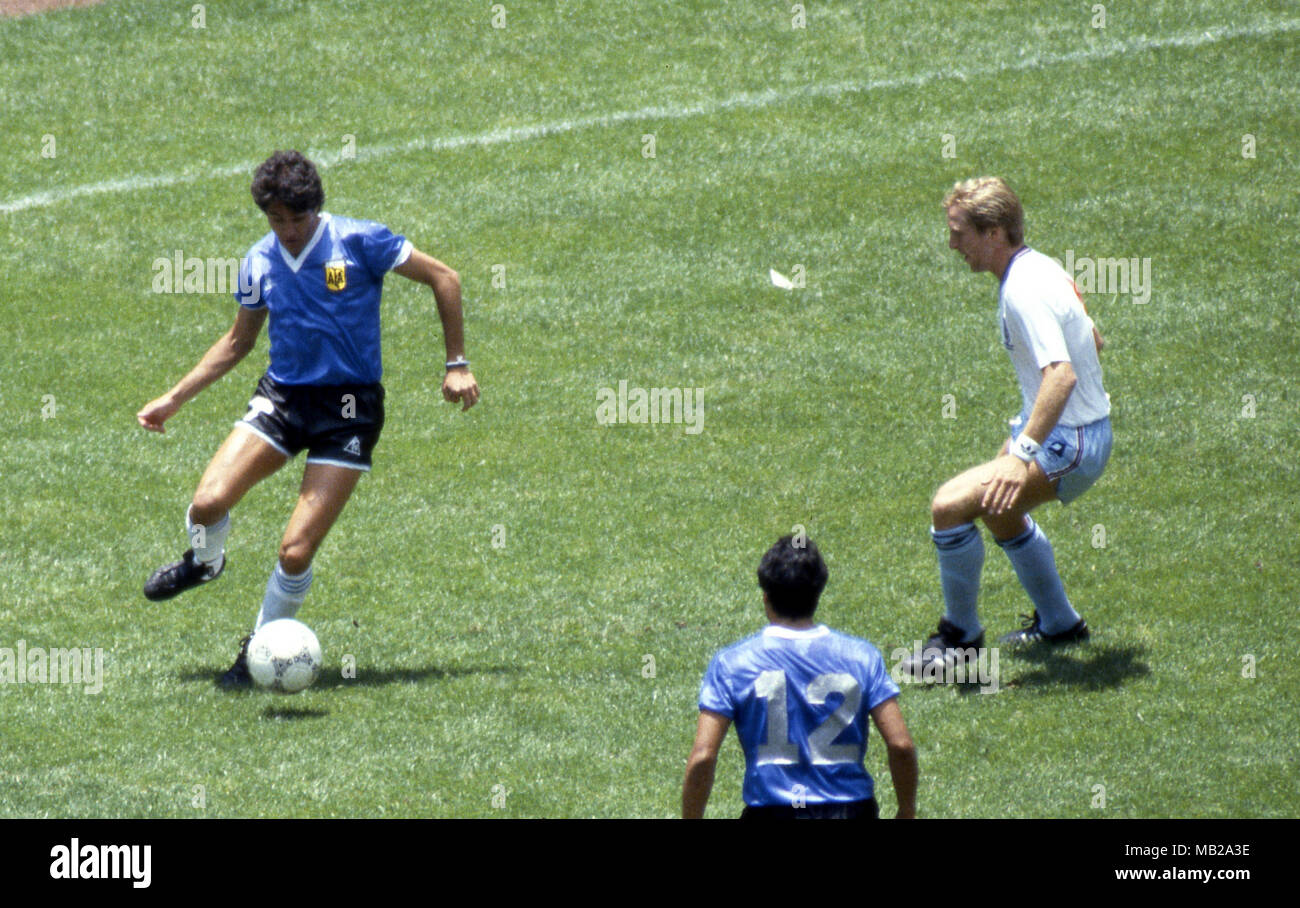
(1038, 490)
(960, 552)
(1054, 619)
(960, 500)
(243, 460)
(325, 490)
(957, 501)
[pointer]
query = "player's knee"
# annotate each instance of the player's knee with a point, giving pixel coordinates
(296, 555)
(936, 505)
(1005, 526)
(953, 504)
(944, 505)
(208, 507)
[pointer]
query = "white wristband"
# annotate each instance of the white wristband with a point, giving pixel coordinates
(1025, 448)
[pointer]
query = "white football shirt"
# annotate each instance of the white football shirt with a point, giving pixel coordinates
(1043, 321)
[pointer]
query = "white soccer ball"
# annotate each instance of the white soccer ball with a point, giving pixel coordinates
(284, 655)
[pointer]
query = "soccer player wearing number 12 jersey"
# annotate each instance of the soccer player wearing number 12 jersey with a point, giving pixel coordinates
(799, 694)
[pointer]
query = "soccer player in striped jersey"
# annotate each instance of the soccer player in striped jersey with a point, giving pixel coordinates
(800, 695)
(1059, 443)
(319, 279)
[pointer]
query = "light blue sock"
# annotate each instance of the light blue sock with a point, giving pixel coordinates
(284, 594)
(961, 558)
(1031, 556)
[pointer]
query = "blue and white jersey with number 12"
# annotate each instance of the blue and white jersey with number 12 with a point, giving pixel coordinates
(800, 701)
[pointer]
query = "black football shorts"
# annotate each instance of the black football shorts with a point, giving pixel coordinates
(337, 424)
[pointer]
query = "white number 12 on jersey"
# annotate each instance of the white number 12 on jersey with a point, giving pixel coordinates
(770, 686)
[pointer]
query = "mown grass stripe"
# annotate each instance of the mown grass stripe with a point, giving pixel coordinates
(742, 101)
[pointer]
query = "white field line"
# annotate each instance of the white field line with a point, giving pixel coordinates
(743, 101)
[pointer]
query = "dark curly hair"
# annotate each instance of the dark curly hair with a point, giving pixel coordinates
(288, 177)
(793, 576)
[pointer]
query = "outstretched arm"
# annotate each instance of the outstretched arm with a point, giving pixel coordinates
(221, 357)
(459, 383)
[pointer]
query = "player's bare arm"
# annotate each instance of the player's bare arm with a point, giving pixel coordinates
(221, 357)
(903, 769)
(1010, 474)
(703, 761)
(459, 383)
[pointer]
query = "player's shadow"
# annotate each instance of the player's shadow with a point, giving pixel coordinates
(205, 673)
(293, 713)
(1087, 667)
(332, 677)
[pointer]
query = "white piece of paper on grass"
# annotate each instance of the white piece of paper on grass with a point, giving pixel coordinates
(779, 279)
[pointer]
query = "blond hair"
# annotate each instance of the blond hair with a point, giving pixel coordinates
(988, 202)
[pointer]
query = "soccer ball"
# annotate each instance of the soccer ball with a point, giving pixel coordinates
(284, 655)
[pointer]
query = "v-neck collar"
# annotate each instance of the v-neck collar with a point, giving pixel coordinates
(296, 263)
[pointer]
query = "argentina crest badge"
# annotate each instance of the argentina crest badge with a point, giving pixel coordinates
(336, 275)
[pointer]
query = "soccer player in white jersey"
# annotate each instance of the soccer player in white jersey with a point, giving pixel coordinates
(319, 278)
(800, 694)
(1059, 443)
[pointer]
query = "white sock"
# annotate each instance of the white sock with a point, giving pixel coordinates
(208, 542)
(284, 595)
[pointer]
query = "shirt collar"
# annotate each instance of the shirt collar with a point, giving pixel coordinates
(296, 263)
(1011, 261)
(789, 633)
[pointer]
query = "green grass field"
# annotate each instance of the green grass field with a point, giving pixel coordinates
(556, 674)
